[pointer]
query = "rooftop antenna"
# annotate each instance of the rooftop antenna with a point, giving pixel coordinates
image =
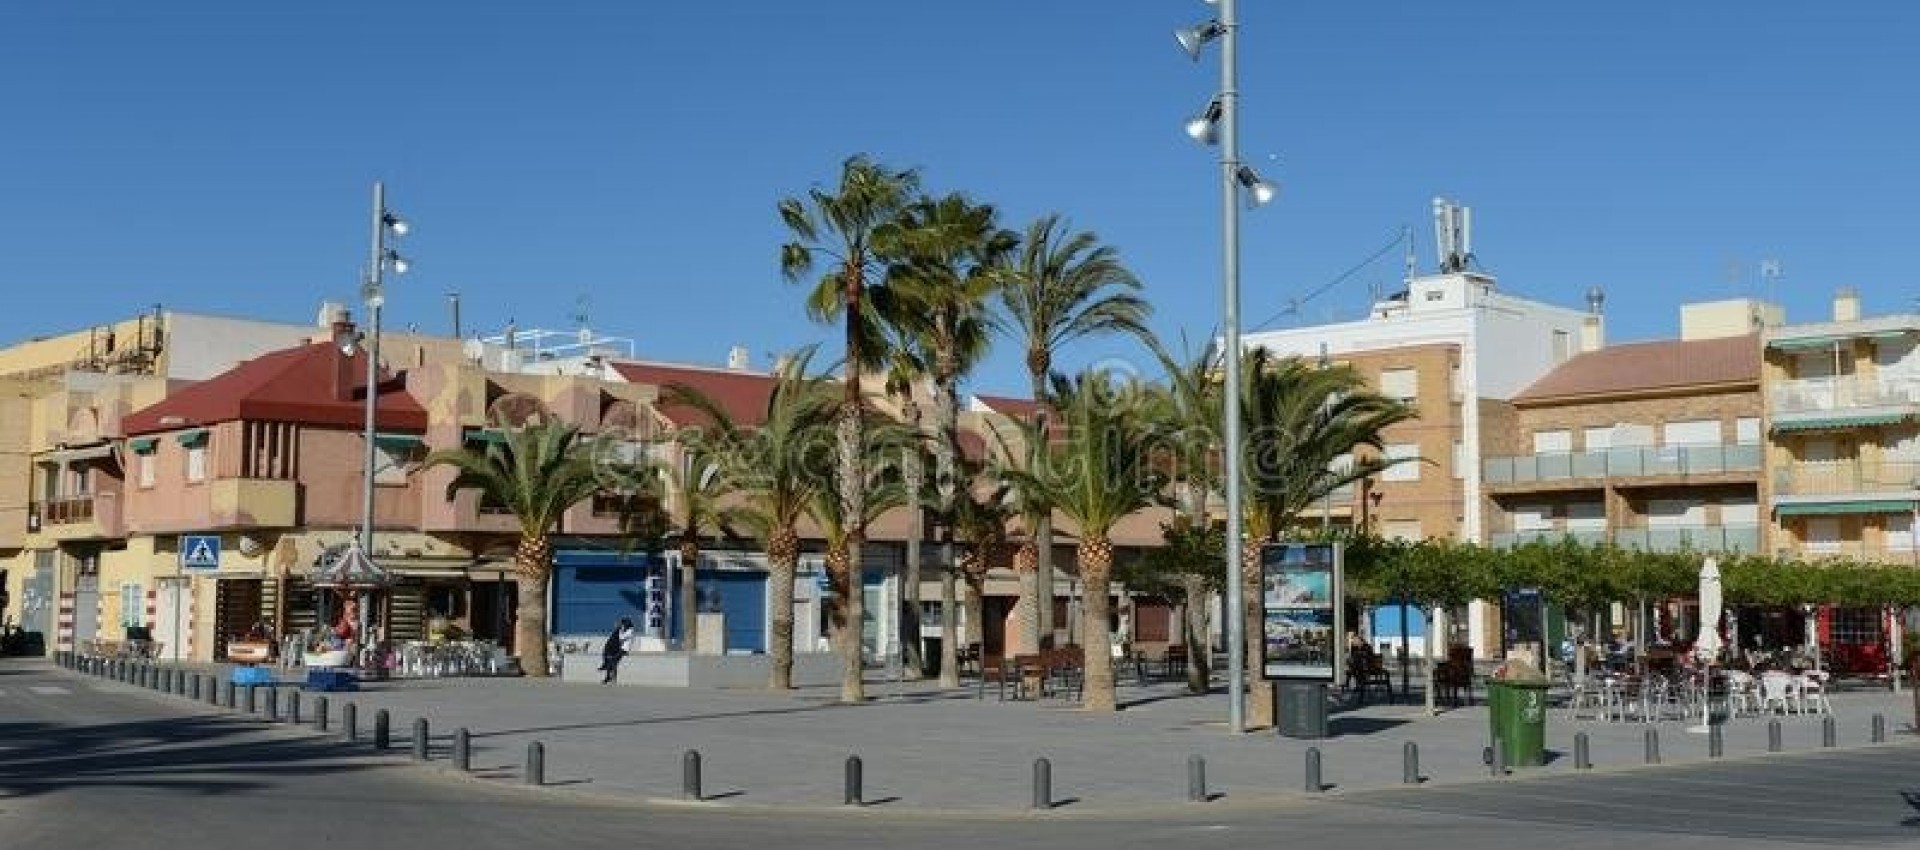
(1406, 235)
(581, 311)
(1452, 235)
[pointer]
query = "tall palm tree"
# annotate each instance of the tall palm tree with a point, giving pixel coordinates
(945, 255)
(539, 471)
(844, 225)
(1193, 405)
(699, 485)
(903, 378)
(882, 445)
(1061, 287)
(1301, 424)
(1099, 473)
(1019, 456)
(776, 466)
(981, 512)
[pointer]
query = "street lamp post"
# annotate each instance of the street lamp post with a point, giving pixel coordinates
(1220, 122)
(382, 257)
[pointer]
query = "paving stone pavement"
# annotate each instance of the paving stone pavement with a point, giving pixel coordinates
(925, 748)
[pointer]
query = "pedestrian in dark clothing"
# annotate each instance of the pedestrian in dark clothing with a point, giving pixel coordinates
(615, 649)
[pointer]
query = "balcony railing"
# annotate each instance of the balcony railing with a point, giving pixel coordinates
(1624, 462)
(1899, 554)
(1831, 478)
(64, 510)
(1510, 539)
(1690, 538)
(1812, 395)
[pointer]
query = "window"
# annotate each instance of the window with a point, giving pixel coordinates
(1401, 529)
(1406, 463)
(1822, 534)
(143, 466)
(1562, 346)
(1552, 442)
(1587, 516)
(1739, 511)
(133, 605)
(1533, 518)
(1402, 384)
(1899, 532)
(1598, 439)
(1746, 430)
(1694, 432)
(1670, 513)
(197, 463)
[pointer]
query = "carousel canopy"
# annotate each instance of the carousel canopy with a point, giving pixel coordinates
(347, 566)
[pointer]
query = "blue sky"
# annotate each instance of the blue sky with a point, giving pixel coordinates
(218, 156)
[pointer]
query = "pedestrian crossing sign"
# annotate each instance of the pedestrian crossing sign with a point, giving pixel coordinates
(200, 551)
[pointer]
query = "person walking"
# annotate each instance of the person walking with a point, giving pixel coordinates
(615, 649)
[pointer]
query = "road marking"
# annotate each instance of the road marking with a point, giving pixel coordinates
(48, 689)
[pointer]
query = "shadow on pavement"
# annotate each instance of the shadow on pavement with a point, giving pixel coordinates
(177, 752)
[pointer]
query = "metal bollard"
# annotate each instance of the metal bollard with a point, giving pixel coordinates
(1829, 736)
(1582, 752)
(1042, 784)
(1716, 741)
(226, 694)
(350, 722)
(462, 750)
(1773, 736)
(251, 706)
(1879, 729)
(293, 707)
(851, 795)
(420, 739)
(273, 706)
(536, 763)
(1196, 779)
(1410, 763)
(1653, 746)
(381, 737)
(320, 713)
(690, 775)
(1313, 783)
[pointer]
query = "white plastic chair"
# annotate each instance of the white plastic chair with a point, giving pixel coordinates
(1813, 692)
(1775, 690)
(1741, 696)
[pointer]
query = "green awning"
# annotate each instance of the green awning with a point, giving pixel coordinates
(1807, 342)
(191, 439)
(1831, 423)
(143, 445)
(1857, 506)
(396, 443)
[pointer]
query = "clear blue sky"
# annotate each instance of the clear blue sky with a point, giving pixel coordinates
(218, 156)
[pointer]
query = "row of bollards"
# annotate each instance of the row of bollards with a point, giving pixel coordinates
(216, 692)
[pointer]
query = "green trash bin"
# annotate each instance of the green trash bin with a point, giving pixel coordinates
(1517, 712)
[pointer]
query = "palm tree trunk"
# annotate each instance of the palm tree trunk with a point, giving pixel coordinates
(533, 563)
(853, 483)
(689, 590)
(1043, 525)
(1259, 694)
(909, 614)
(782, 553)
(845, 575)
(1194, 633)
(949, 621)
(1095, 555)
(1026, 639)
(976, 609)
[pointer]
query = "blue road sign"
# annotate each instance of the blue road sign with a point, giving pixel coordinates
(200, 551)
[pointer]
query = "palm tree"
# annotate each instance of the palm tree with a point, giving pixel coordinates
(539, 471)
(1301, 425)
(1018, 462)
(945, 255)
(776, 467)
(980, 519)
(884, 492)
(843, 224)
(700, 485)
(905, 372)
(1192, 407)
(1063, 286)
(1099, 473)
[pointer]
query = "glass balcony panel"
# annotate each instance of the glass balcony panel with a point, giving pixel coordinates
(1554, 466)
(1743, 458)
(1590, 465)
(1498, 470)
(1626, 461)
(1702, 460)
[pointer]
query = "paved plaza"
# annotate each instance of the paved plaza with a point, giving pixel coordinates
(928, 749)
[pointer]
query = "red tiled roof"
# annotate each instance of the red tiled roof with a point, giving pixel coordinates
(309, 385)
(743, 395)
(1651, 366)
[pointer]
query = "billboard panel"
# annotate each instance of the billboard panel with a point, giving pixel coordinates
(1302, 611)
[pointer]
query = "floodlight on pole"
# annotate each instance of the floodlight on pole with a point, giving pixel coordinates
(1195, 37)
(1205, 127)
(1259, 191)
(385, 224)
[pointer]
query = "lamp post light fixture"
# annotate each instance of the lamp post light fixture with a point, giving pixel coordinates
(386, 225)
(1220, 122)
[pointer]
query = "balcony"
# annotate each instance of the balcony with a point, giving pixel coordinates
(76, 517)
(1827, 402)
(254, 503)
(64, 510)
(1510, 539)
(1690, 538)
(1847, 478)
(1617, 463)
(1898, 554)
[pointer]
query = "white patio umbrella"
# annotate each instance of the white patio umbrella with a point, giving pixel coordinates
(1706, 646)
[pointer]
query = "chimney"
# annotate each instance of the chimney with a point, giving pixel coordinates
(1593, 327)
(738, 359)
(1846, 305)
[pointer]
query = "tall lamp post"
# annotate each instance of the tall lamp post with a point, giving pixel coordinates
(383, 256)
(1220, 123)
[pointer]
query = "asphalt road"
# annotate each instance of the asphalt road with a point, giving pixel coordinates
(89, 764)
